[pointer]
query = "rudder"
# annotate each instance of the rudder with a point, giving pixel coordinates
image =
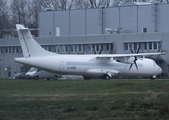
(29, 46)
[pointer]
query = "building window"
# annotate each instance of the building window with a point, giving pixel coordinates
(17, 51)
(84, 46)
(6, 50)
(155, 45)
(125, 46)
(139, 46)
(150, 45)
(107, 46)
(142, 45)
(66, 48)
(92, 47)
(159, 45)
(71, 48)
(128, 46)
(75, 46)
(80, 47)
(101, 46)
(9, 49)
(135, 46)
(145, 46)
(54, 48)
(97, 47)
(62, 48)
(1, 50)
(13, 49)
(49, 47)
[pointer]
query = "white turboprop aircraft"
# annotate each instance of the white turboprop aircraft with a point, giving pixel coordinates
(104, 65)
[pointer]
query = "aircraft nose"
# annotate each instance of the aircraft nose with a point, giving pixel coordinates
(159, 69)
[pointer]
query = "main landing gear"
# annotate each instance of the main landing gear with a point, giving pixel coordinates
(153, 77)
(107, 77)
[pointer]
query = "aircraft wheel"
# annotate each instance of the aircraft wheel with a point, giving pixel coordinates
(107, 77)
(55, 77)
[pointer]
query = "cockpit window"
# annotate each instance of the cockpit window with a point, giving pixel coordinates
(154, 64)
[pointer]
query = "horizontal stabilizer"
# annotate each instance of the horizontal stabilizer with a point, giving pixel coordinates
(23, 29)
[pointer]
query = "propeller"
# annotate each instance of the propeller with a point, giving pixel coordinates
(135, 58)
(95, 51)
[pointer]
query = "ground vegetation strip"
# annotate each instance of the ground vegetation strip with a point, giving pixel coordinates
(84, 99)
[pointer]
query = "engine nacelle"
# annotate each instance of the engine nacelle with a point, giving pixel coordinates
(128, 60)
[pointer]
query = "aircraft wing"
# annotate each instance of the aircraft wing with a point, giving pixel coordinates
(124, 58)
(128, 55)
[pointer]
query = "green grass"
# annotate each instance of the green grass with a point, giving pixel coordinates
(84, 99)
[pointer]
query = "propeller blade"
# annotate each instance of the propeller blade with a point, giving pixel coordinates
(135, 58)
(94, 51)
(100, 51)
(131, 50)
(136, 64)
(130, 66)
(138, 50)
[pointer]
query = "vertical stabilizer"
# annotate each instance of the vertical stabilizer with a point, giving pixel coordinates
(29, 46)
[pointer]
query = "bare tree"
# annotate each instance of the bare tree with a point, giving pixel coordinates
(4, 14)
(65, 4)
(81, 4)
(34, 9)
(97, 3)
(20, 12)
(49, 4)
(57, 4)
(4, 17)
(92, 3)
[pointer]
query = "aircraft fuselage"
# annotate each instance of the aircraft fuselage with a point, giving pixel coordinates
(85, 66)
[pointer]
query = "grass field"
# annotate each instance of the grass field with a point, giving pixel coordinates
(84, 99)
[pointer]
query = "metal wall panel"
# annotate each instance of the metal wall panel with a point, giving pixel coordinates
(146, 18)
(93, 21)
(77, 22)
(62, 21)
(162, 17)
(128, 19)
(46, 23)
(132, 19)
(111, 18)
